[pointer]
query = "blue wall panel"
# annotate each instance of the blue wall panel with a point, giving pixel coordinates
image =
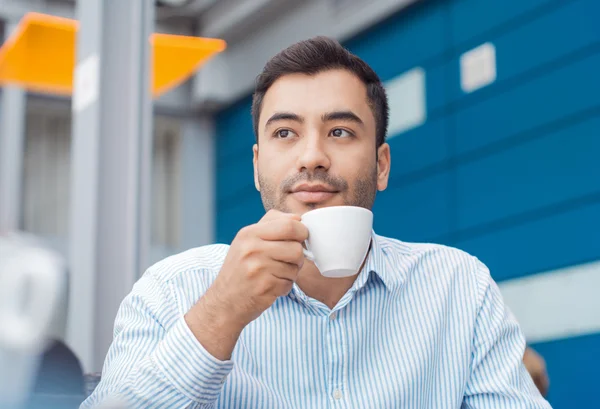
(234, 127)
(419, 148)
(552, 239)
(536, 46)
(551, 97)
(234, 174)
(548, 38)
(436, 89)
(391, 47)
(573, 367)
(470, 19)
(554, 168)
(245, 209)
(425, 145)
(419, 211)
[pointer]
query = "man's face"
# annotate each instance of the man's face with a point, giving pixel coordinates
(316, 144)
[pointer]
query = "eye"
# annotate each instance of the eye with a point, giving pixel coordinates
(284, 134)
(340, 133)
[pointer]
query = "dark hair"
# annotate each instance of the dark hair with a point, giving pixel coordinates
(316, 55)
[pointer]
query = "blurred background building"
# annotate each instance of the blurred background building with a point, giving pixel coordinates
(494, 131)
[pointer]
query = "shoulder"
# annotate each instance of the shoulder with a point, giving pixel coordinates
(205, 261)
(441, 255)
(436, 261)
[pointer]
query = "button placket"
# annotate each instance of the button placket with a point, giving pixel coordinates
(337, 356)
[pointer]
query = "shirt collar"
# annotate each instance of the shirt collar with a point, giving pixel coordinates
(376, 264)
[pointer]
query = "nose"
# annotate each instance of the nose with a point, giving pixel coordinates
(313, 155)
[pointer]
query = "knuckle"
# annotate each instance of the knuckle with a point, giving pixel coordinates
(298, 251)
(244, 232)
(249, 247)
(246, 249)
(304, 231)
(253, 268)
(265, 286)
(289, 226)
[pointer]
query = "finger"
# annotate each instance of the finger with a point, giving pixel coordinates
(281, 270)
(285, 251)
(283, 229)
(283, 287)
(274, 214)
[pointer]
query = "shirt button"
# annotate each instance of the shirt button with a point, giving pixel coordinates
(337, 394)
(333, 315)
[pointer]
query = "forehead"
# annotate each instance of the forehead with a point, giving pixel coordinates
(312, 95)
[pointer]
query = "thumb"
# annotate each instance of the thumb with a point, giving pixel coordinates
(274, 214)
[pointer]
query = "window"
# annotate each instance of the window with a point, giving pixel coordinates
(166, 179)
(46, 170)
(47, 175)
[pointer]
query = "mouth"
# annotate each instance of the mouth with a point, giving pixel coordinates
(313, 194)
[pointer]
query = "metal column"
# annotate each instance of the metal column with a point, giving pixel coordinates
(112, 143)
(12, 148)
(197, 182)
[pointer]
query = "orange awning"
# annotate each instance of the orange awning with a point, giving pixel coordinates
(41, 54)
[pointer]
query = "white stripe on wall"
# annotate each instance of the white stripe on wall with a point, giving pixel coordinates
(556, 304)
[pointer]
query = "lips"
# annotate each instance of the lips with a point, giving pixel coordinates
(313, 193)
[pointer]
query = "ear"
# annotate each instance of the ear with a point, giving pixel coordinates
(384, 162)
(255, 163)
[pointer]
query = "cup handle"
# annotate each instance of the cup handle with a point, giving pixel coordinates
(308, 254)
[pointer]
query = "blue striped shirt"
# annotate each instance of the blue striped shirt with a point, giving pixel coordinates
(423, 326)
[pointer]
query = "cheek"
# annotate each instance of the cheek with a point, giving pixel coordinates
(263, 165)
(275, 164)
(364, 179)
(269, 172)
(355, 166)
(270, 159)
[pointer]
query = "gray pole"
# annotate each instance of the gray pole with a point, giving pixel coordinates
(111, 158)
(12, 148)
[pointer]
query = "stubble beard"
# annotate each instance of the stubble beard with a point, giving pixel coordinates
(362, 195)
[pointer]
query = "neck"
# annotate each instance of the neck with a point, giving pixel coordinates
(327, 290)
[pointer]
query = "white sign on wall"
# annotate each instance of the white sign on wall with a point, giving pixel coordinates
(407, 101)
(86, 83)
(478, 67)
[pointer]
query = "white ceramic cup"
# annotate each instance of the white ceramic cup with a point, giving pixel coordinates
(338, 239)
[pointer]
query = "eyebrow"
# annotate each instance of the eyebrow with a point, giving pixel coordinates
(326, 117)
(284, 116)
(342, 116)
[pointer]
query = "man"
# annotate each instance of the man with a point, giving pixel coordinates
(255, 325)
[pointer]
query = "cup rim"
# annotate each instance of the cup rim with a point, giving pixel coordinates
(332, 208)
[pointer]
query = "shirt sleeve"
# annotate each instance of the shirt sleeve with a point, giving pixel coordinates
(155, 360)
(498, 378)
